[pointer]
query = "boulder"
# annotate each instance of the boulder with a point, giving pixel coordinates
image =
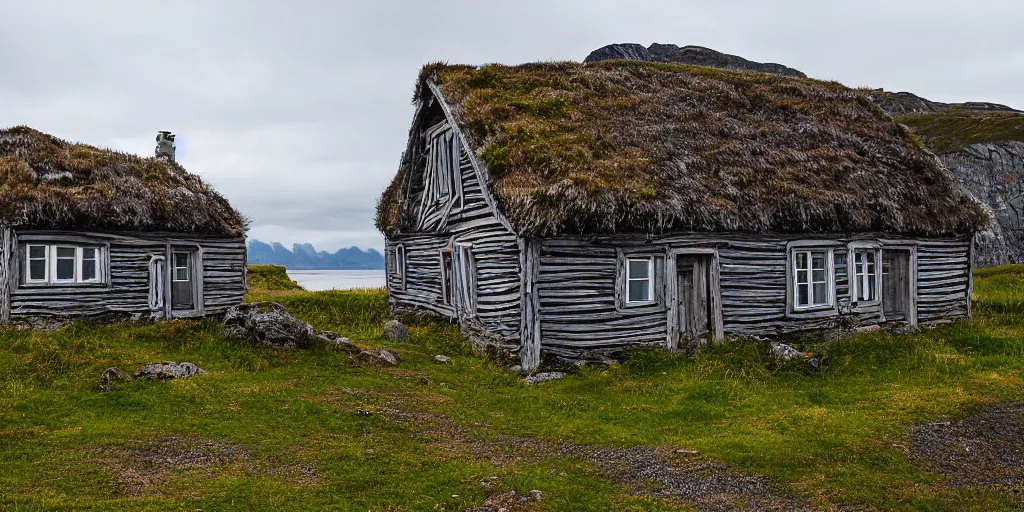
(395, 331)
(167, 370)
(784, 352)
(378, 356)
(443, 359)
(267, 323)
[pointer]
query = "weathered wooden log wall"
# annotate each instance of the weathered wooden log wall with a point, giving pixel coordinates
(494, 250)
(127, 288)
(577, 288)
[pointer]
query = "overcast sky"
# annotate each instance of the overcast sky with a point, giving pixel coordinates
(298, 110)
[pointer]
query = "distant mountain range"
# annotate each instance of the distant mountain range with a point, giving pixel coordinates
(306, 257)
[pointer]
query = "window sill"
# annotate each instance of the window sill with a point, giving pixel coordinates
(817, 311)
(61, 285)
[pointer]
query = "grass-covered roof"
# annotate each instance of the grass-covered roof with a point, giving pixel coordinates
(635, 146)
(952, 129)
(49, 183)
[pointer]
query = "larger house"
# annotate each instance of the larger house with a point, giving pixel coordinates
(89, 232)
(577, 209)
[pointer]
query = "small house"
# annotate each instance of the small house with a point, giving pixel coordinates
(89, 232)
(574, 210)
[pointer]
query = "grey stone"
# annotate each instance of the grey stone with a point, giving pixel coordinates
(267, 323)
(543, 377)
(336, 340)
(112, 375)
(378, 356)
(167, 370)
(443, 359)
(395, 331)
(784, 352)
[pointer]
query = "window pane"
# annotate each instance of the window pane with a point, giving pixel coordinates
(801, 276)
(870, 255)
(819, 276)
(801, 260)
(37, 251)
(820, 293)
(65, 252)
(89, 253)
(37, 270)
(870, 292)
(639, 269)
(65, 268)
(88, 270)
(639, 290)
(858, 258)
(801, 295)
(818, 260)
(181, 274)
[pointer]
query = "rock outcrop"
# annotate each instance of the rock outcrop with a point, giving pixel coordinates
(994, 173)
(269, 323)
(692, 55)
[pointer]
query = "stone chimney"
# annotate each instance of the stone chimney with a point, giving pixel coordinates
(165, 146)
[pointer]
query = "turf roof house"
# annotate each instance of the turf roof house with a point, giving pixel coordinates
(88, 232)
(575, 209)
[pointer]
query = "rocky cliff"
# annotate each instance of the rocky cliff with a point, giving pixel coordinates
(981, 142)
(693, 55)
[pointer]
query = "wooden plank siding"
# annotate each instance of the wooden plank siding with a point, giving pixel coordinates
(495, 253)
(577, 287)
(126, 290)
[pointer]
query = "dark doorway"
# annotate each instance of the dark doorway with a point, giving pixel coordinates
(182, 280)
(696, 316)
(896, 281)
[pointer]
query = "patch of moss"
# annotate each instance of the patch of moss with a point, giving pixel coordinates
(951, 130)
(264, 278)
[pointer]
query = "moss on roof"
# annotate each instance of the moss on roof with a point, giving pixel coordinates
(952, 129)
(49, 183)
(635, 146)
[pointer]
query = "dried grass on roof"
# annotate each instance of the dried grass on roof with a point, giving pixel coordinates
(632, 146)
(49, 183)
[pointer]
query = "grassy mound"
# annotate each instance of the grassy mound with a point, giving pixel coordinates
(950, 130)
(272, 429)
(264, 278)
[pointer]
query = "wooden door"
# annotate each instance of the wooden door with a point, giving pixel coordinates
(694, 285)
(896, 291)
(182, 280)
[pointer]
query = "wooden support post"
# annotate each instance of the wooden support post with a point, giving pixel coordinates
(530, 337)
(7, 259)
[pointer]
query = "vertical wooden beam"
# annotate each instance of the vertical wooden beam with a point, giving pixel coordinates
(530, 335)
(168, 270)
(197, 269)
(672, 299)
(6, 271)
(970, 274)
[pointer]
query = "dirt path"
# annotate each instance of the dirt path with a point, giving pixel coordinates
(676, 473)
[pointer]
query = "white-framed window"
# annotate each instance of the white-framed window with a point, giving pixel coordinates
(865, 282)
(813, 278)
(62, 264)
(37, 267)
(640, 280)
(400, 261)
(181, 268)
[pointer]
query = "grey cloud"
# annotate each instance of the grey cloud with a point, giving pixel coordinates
(298, 111)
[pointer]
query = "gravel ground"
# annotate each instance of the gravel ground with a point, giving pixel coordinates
(984, 449)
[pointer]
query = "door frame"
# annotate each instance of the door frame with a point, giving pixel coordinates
(672, 293)
(911, 280)
(197, 280)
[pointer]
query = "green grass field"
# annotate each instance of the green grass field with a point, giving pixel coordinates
(269, 429)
